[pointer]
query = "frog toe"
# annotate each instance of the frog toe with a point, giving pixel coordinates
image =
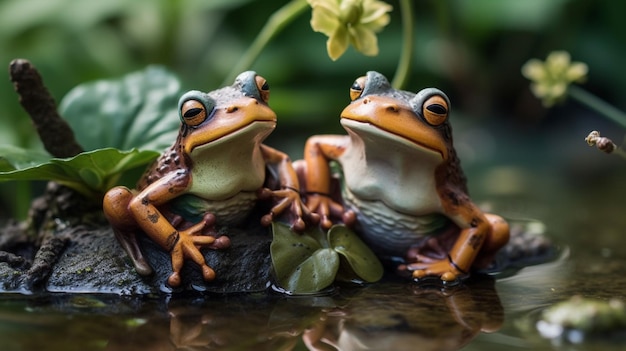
(174, 279)
(208, 273)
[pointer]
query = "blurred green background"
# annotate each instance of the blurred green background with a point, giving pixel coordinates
(473, 50)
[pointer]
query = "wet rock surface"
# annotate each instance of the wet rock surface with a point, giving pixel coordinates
(62, 249)
(89, 260)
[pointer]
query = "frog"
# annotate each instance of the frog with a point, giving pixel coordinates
(216, 171)
(398, 181)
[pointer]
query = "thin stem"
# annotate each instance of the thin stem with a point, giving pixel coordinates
(404, 64)
(598, 105)
(272, 27)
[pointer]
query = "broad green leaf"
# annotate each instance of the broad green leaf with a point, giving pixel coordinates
(314, 274)
(91, 173)
(301, 264)
(137, 111)
(12, 158)
(361, 259)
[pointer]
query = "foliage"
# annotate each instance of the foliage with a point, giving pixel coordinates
(137, 110)
(91, 173)
(125, 123)
(309, 262)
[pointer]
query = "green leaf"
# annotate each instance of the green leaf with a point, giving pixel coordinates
(91, 173)
(361, 259)
(300, 262)
(12, 158)
(137, 111)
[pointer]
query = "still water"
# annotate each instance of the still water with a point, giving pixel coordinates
(582, 217)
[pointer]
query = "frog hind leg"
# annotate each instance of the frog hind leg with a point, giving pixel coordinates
(115, 207)
(498, 237)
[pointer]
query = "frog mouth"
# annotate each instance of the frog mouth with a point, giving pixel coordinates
(256, 131)
(229, 120)
(396, 119)
(368, 131)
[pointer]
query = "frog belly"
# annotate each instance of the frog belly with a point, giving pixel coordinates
(389, 232)
(231, 211)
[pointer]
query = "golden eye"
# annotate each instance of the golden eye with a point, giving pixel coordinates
(435, 110)
(193, 113)
(263, 87)
(357, 88)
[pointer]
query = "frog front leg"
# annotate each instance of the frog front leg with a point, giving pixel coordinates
(180, 244)
(289, 193)
(115, 207)
(480, 237)
(319, 150)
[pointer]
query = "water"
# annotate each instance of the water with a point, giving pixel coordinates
(483, 314)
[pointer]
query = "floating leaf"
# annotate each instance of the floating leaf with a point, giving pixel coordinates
(90, 173)
(137, 111)
(309, 262)
(358, 255)
(300, 262)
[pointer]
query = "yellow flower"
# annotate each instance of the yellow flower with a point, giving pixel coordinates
(550, 79)
(346, 22)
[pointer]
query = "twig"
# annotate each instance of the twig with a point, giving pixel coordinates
(52, 246)
(55, 133)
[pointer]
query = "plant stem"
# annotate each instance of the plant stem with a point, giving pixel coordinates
(598, 105)
(404, 64)
(273, 26)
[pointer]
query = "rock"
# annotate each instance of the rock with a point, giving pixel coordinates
(94, 262)
(86, 258)
(581, 318)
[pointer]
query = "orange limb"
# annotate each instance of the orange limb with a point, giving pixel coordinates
(288, 195)
(476, 244)
(319, 150)
(182, 244)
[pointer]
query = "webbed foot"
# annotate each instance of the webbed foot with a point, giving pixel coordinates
(298, 214)
(187, 244)
(444, 269)
(327, 209)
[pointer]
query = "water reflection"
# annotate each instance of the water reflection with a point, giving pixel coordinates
(399, 317)
(388, 316)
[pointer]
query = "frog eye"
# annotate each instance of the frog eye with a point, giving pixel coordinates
(193, 112)
(357, 88)
(263, 87)
(435, 110)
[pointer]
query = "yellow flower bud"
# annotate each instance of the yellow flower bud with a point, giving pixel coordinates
(347, 22)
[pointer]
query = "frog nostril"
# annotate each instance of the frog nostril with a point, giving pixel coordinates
(366, 101)
(231, 109)
(391, 108)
